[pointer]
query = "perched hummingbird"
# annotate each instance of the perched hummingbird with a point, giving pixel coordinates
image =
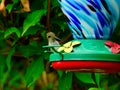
(52, 40)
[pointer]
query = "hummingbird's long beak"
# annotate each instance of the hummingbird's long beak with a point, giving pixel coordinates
(57, 38)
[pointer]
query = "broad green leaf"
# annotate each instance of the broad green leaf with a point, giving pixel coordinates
(97, 79)
(9, 7)
(94, 88)
(85, 77)
(9, 57)
(65, 82)
(11, 31)
(34, 71)
(32, 19)
(32, 30)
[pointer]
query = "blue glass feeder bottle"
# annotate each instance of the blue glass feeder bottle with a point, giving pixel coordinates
(91, 18)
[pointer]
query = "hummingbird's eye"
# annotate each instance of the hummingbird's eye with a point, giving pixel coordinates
(49, 36)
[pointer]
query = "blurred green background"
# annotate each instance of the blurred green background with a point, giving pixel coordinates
(23, 63)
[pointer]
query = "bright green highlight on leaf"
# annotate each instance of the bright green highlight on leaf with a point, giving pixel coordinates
(60, 73)
(12, 30)
(9, 7)
(9, 57)
(85, 77)
(97, 78)
(94, 89)
(32, 19)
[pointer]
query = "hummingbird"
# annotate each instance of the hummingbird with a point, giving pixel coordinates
(52, 40)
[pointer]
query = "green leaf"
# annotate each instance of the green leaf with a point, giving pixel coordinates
(11, 31)
(85, 77)
(9, 7)
(97, 78)
(9, 57)
(60, 73)
(32, 30)
(94, 88)
(32, 19)
(65, 82)
(34, 71)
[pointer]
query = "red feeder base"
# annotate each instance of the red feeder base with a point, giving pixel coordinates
(87, 66)
(90, 56)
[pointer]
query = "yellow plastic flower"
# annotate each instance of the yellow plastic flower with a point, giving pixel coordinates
(68, 47)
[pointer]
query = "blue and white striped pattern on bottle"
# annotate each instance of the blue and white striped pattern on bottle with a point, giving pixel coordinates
(91, 18)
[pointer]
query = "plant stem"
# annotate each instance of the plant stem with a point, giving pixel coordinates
(67, 37)
(2, 27)
(48, 15)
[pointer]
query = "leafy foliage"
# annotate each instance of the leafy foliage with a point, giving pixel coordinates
(32, 19)
(85, 77)
(8, 59)
(34, 71)
(12, 30)
(65, 81)
(22, 58)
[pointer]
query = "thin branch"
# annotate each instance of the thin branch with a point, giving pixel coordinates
(48, 15)
(5, 52)
(66, 38)
(2, 27)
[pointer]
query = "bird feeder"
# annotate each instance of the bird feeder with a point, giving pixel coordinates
(91, 23)
(89, 56)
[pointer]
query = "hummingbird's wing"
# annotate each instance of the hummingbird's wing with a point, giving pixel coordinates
(56, 44)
